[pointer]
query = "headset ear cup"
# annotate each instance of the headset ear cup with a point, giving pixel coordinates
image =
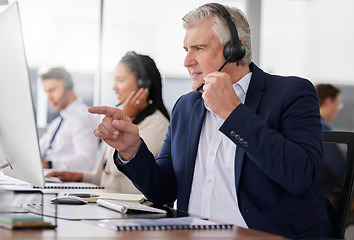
(68, 85)
(234, 51)
(144, 83)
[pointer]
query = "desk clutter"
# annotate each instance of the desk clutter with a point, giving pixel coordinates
(14, 216)
(34, 209)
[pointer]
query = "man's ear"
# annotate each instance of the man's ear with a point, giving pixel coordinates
(328, 101)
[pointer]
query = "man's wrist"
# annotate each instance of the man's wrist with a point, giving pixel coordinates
(120, 158)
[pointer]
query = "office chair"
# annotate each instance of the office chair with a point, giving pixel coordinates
(345, 196)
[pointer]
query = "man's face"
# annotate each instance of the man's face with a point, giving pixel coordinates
(57, 94)
(334, 107)
(204, 51)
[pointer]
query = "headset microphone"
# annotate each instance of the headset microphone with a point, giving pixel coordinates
(200, 87)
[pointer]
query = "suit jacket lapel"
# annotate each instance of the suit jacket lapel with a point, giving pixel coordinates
(253, 98)
(255, 89)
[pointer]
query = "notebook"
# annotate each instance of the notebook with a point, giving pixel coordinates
(158, 224)
(20, 221)
(71, 185)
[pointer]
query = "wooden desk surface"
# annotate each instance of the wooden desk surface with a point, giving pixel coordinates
(79, 230)
(73, 229)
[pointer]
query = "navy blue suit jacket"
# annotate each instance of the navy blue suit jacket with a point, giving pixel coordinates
(277, 164)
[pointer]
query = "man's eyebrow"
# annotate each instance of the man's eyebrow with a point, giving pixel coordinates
(195, 46)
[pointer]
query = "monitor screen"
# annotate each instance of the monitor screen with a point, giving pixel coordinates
(19, 150)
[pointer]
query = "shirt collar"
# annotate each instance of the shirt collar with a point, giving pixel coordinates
(69, 109)
(244, 82)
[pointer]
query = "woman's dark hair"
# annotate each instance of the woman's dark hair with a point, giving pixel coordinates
(155, 89)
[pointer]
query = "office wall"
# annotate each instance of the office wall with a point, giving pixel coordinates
(312, 39)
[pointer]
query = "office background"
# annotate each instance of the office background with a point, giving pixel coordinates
(307, 38)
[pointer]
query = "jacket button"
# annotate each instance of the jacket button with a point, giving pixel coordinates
(241, 141)
(245, 144)
(232, 133)
(237, 136)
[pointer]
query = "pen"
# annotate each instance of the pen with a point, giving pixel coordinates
(200, 87)
(83, 195)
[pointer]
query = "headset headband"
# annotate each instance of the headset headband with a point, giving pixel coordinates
(231, 25)
(139, 64)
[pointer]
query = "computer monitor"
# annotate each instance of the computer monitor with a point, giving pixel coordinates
(19, 149)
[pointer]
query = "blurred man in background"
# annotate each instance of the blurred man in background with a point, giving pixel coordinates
(68, 143)
(333, 161)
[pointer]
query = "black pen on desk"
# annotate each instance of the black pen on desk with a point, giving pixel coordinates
(83, 195)
(200, 87)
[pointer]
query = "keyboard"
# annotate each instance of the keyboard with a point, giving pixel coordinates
(124, 207)
(52, 180)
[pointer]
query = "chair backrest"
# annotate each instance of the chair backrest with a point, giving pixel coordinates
(345, 197)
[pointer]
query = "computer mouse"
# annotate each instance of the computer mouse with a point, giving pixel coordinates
(68, 200)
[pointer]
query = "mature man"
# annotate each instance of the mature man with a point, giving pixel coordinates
(68, 143)
(246, 150)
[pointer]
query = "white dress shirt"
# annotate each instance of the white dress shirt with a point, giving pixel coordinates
(213, 195)
(74, 147)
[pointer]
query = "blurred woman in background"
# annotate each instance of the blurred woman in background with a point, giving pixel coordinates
(138, 87)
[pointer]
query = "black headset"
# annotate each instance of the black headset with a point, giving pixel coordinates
(68, 84)
(233, 50)
(142, 81)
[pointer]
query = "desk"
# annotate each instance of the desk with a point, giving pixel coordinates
(73, 229)
(78, 230)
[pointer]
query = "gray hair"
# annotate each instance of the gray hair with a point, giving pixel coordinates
(220, 27)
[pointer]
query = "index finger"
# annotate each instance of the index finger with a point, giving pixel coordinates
(108, 111)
